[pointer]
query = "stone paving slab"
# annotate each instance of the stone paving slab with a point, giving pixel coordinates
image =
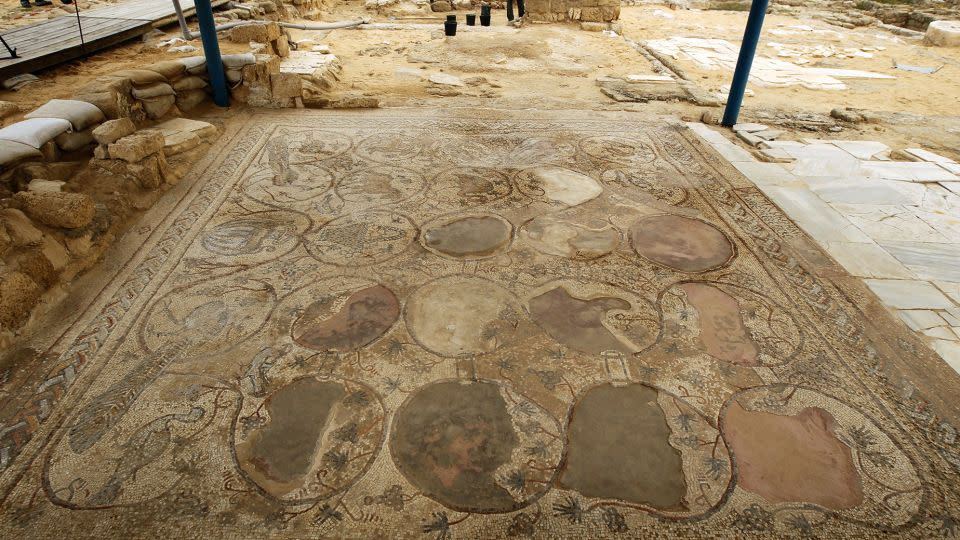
(897, 222)
(479, 324)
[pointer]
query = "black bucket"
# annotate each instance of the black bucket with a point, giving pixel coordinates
(484, 20)
(471, 19)
(450, 25)
(485, 11)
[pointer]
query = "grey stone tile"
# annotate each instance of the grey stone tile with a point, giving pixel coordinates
(866, 259)
(949, 351)
(768, 174)
(908, 294)
(814, 216)
(907, 171)
(921, 319)
(928, 260)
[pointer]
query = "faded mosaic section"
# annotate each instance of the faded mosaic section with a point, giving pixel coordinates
(474, 325)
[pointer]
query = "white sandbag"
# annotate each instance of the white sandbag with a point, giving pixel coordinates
(12, 152)
(35, 131)
(195, 65)
(189, 83)
(152, 91)
(80, 114)
(237, 61)
(75, 140)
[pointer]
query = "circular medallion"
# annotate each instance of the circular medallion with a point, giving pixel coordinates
(254, 238)
(362, 238)
(557, 185)
(797, 447)
(378, 186)
(467, 237)
(647, 447)
(617, 149)
(579, 241)
(469, 187)
(308, 439)
(650, 181)
(681, 243)
(475, 446)
(462, 316)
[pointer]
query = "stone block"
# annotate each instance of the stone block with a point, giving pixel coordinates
(38, 184)
(134, 148)
(111, 130)
(18, 295)
(204, 130)
(21, 230)
(179, 142)
(57, 209)
(285, 85)
(259, 32)
(281, 47)
(149, 173)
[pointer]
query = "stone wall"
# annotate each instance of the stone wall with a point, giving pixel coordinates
(576, 10)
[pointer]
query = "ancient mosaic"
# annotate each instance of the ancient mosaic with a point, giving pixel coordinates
(472, 325)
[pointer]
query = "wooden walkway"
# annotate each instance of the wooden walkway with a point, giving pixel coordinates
(57, 40)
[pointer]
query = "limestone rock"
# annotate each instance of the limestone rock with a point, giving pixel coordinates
(135, 147)
(21, 230)
(38, 184)
(204, 130)
(440, 5)
(8, 108)
(57, 209)
(111, 130)
(179, 142)
(281, 47)
(259, 32)
(18, 295)
(943, 34)
(150, 173)
(446, 79)
(285, 85)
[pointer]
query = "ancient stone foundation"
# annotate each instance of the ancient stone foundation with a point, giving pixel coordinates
(575, 10)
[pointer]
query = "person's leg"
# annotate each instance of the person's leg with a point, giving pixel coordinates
(509, 10)
(520, 7)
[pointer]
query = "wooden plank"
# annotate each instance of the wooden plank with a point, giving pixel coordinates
(69, 48)
(57, 40)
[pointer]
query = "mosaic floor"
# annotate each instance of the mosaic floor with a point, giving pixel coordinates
(438, 324)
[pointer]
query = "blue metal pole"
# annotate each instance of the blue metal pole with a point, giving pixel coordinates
(211, 49)
(748, 49)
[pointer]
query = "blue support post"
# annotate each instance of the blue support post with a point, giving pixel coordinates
(748, 49)
(211, 50)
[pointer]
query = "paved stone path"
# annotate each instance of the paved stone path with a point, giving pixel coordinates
(894, 223)
(474, 324)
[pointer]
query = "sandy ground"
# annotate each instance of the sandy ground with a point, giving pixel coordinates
(910, 92)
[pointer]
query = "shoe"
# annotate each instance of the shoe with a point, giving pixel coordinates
(67, 1)
(42, 3)
(25, 4)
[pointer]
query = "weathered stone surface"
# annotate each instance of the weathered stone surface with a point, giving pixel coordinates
(285, 85)
(57, 209)
(203, 130)
(38, 184)
(8, 108)
(943, 34)
(133, 148)
(111, 130)
(281, 47)
(149, 173)
(18, 295)
(21, 230)
(441, 5)
(259, 32)
(178, 142)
